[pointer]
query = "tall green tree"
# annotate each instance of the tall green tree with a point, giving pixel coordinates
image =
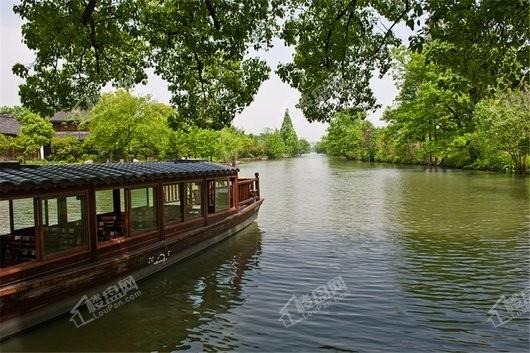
(35, 132)
(433, 106)
(350, 136)
(198, 47)
(483, 41)
(288, 135)
(124, 126)
(505, 122)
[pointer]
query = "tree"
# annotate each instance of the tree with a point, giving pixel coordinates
(303, 146)
(505, 122)
(231, 144)
(202, 49)
(483, 41)
(288, 135)
(67, 149)
(151, 137)
(433, 106)
(202, 143)
(125, 126)
(274, 145)
(36, 131)
(350, 136)
(198, 47)
(338, 47)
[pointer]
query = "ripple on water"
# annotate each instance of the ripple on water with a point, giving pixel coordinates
(424, 256)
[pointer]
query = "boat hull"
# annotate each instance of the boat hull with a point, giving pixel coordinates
(33, 302)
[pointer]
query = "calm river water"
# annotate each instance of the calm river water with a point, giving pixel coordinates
(422, 257)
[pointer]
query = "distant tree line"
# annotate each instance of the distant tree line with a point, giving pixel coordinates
(437, 122)
(122, 126)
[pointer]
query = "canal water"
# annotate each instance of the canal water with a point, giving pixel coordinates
(344, 257)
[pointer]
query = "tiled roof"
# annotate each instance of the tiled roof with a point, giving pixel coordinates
(21, 178)
(68, 116)
(81, 135)
(9, 125)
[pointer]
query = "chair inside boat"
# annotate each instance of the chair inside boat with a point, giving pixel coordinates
(111, 226)
(18, 247)
(17, 232)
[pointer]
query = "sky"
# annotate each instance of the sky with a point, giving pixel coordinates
(266, 111)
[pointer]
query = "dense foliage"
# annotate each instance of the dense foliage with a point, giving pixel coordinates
(499, 139)
(122, 126)
(36, 131)
(204, 50)
(462, 98)
(197, 47)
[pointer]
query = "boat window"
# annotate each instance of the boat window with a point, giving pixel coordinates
(17, 232)
(111, 214)
(172, 205)
(63, 223)
(192, 198)
(222, 197)
(143, 209)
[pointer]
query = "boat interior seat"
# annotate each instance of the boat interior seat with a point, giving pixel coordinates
(109, 227)
(17, 248)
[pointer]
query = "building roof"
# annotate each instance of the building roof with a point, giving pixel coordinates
(9, 125)
(81, 135)
(15, 178)
(73, 115)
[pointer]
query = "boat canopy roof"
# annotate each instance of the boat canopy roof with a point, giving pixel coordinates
(15, 177)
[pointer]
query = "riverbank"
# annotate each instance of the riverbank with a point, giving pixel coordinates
(505, 169)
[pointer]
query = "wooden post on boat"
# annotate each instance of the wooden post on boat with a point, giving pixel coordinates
(204, 200)
(257, 184)
(92, 223)
(39, 242)
(235, 191)
(159, 203)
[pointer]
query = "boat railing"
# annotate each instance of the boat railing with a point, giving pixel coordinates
(248, 190)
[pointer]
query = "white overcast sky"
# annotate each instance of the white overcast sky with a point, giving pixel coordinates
(267, 110)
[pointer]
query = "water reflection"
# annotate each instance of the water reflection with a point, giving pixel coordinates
(424, 253)
(174, 306)
(461, 245)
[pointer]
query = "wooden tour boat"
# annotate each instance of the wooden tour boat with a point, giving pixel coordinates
(67, 232)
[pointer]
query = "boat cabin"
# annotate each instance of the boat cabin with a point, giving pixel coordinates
(57, 216)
